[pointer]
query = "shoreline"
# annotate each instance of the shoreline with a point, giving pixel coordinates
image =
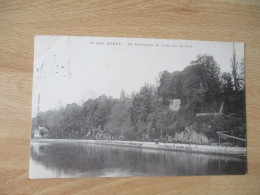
(208, 149)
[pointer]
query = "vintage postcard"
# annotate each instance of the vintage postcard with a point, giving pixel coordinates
(127, 107)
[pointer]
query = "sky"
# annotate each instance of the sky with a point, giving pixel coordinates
(75, 69)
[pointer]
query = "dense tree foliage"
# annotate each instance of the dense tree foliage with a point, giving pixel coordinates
(145, 115)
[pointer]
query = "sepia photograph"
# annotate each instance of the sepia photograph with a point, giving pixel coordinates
(130, 107)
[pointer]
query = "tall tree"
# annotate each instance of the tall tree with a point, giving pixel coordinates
(227, 85)
(234, 69)
(209, 75)
(164, 87)
(242, 75)
(122, 95)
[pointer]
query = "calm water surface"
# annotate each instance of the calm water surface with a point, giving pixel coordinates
(88, 160)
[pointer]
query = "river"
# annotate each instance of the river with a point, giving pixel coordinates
(51, 160)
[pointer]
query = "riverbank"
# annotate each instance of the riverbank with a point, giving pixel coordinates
(223, 150)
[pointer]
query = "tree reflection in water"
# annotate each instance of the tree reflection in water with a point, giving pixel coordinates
(89, 160)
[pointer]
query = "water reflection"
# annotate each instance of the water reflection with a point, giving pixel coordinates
(88, 160)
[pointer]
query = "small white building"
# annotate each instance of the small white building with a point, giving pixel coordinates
(36, 133)
(175, 104)
(41, 132)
